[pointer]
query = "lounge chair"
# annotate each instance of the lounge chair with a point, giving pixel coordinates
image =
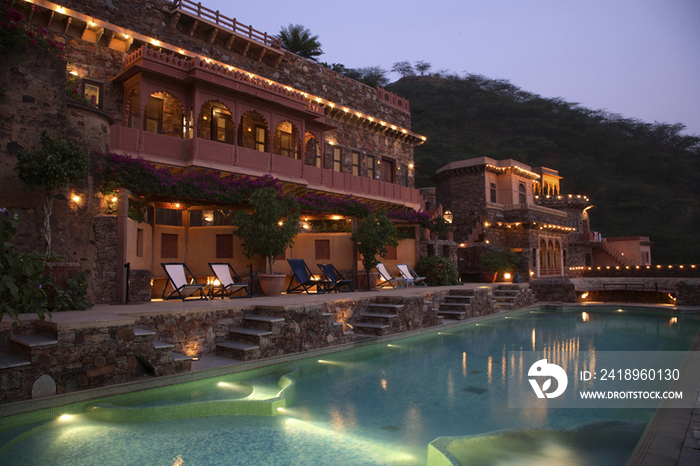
(303, 276)
(388, 278)
(230, 282)
(411, 276)
(333, 279)
(177, 277)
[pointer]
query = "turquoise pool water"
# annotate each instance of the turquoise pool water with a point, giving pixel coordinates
(377, 405)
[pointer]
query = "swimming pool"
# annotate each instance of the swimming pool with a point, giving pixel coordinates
(380, 404)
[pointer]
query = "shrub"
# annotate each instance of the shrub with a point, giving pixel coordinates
(440, 271)
(22, 283)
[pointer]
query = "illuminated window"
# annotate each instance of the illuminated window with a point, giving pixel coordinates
(92, 92)
(356, 163)
(337, 160)
(260, 138)
(371, 167)
(221, 125)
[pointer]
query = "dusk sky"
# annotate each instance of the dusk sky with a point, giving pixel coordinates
(638, 58)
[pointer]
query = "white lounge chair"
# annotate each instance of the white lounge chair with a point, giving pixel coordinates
(411, 276)
(388, 278)
(177, 277)
(229, 282)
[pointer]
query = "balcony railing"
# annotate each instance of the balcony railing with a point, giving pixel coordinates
(189, 65)
(224, 22)
(215, 155)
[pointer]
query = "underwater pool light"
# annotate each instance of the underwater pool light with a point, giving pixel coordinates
(65, 417)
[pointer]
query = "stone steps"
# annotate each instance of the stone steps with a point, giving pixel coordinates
(455, 315)
(10, 361)
(372, 329)
(31, 347)
(237, 350)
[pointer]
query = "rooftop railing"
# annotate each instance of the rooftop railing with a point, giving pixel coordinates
(206, 14)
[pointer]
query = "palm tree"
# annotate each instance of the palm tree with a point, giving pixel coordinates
(298, 39)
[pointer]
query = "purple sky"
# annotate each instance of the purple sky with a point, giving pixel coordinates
(638, 58)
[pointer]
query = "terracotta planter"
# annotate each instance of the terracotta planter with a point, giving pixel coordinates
(489, 277)
(271, 284)
(362, 280)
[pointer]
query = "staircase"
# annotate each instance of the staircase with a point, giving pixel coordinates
(264, 334)
(253, 336)
(615, 254)
(457, 305)
(378, 320)
(164, 360)
(503, 297)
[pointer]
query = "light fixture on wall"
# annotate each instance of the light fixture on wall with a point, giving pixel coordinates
(448, 216)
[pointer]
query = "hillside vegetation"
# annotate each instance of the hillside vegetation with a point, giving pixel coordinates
(644, 179)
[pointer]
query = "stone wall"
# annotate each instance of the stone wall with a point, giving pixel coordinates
(688, 293)
(83, 358)
(105, 271)
(35, 100)
(554, 290)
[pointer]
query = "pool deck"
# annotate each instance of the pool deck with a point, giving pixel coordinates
(671, 438)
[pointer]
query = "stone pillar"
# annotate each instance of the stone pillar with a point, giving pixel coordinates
(122, 217)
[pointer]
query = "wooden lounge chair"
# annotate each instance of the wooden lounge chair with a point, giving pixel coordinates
(411, 276)
(388, 279)
(177, 277)
(333, 279)
(230, 282)
(303, 277)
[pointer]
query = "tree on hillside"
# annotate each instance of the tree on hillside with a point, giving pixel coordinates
(404, 68)
(298, 39)
(422, 67)
(371, 75)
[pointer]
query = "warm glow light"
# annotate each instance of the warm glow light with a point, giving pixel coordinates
(674, 320)
(336, 217)
(65, 417)
(177, 205)
(584, 316)
(506, 276)
(410, 166)
(155, 42)
(73, 73)
(114, 199)
(280, 409)
(76, 198)
(584, 295)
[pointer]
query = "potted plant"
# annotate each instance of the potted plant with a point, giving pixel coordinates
(494, 261)
(267, 229)
(374, 233)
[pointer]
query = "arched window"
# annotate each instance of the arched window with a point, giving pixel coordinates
(252, 132)
(312, 151)
(215, 123)
(543, 254)
(522, 194)
(550, 254)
